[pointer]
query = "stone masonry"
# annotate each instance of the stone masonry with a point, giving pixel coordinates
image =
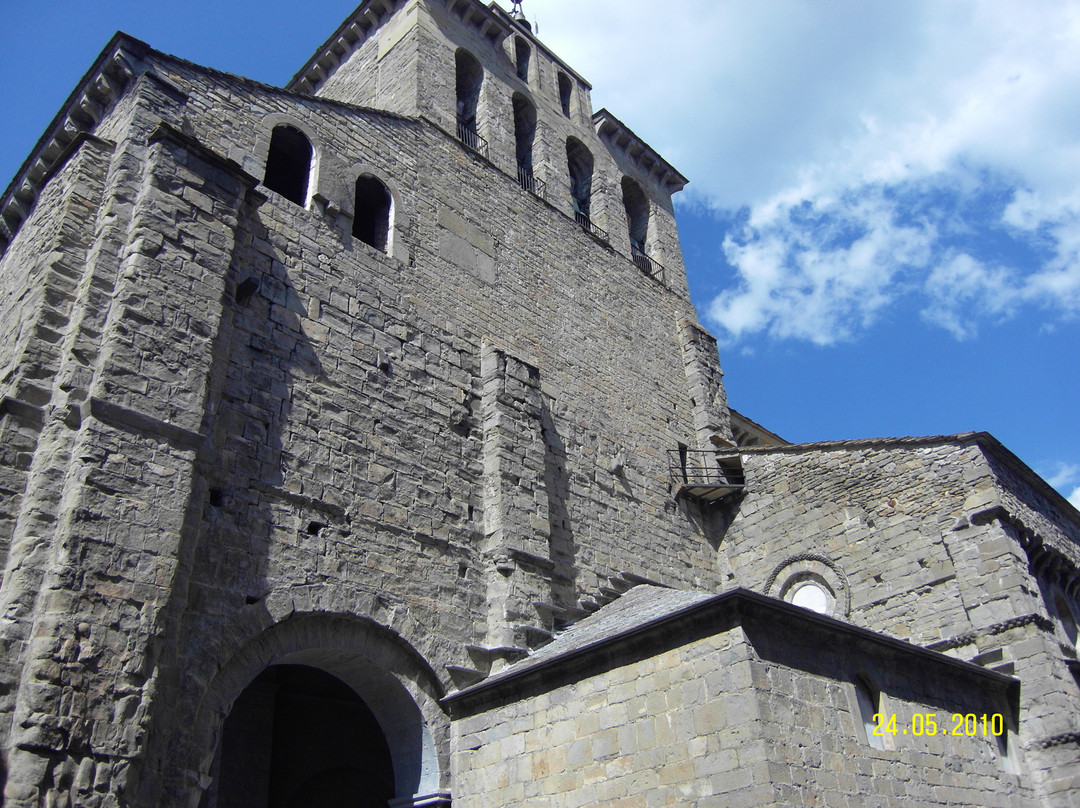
(383, 391)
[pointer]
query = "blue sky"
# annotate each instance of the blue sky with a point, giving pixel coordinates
(883, 221)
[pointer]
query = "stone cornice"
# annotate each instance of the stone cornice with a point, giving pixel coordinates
(1045, 560)
(369, 17)
(972, 637)
(491, 22)
(872, 443)
(611, 130)
(984, 440)
(91, 100)
(1059, 740)
(527, 33)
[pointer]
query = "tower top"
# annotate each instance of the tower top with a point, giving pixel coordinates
(518, 16)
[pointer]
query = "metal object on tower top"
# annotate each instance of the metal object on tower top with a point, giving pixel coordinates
(518, 15)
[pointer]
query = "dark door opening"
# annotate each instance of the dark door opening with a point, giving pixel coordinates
(299, 737)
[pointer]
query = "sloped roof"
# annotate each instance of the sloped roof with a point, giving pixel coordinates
(647, 620)
(639, 607)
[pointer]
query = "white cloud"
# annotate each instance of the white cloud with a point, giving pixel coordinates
(861, 139)
(796, 283)
(963, 290)
(1066, 474)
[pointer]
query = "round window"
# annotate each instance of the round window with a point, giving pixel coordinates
(810, 596)
(811, 582)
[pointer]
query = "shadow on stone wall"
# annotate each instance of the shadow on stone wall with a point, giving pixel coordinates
(562, 545)
(240, 497)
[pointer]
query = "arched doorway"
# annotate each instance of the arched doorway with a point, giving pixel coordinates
(388, 676)
(298, 737)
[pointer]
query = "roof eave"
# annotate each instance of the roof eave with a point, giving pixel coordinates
(647, 158)
(92, 98)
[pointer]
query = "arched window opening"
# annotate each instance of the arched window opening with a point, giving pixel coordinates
(566, 90)
(1067, 620)
(637, 215)
(580, 163)
(809, 590)
(296, 737)
(470, 78)
(288, 164)
(810, 596)
(524, 137)
(522, 54)
(371, 217)
(869, 699)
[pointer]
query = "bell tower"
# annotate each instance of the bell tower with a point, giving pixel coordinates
(480, 74)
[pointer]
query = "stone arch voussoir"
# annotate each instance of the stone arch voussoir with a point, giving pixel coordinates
(396, 682)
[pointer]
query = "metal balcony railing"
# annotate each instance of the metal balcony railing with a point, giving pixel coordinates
(588, 226)
(530, 183)
(706, 475)
(467, 134)
(654, 269)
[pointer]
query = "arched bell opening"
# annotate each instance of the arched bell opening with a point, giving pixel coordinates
(298, 736)
(637, 216)
(579, 162)
(469, 81)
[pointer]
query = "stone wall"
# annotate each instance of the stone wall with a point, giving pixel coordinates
(234, 434)
(750, 705)
(278, 418)
(406, 64)
(41, 276)
(947, 542)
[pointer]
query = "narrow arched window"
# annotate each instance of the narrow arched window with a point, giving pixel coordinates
(637, 215)
(470, 78)
(371, 218)
(288, 164)
(1065, 617)
(565, 91)
(869, 699)
(522, 54)
(579, 160)
(524, 137)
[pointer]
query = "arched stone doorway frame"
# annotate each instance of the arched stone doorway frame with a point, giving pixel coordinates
(395, 682)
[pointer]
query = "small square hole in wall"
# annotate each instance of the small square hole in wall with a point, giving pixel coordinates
(314, 528)
(246, 289)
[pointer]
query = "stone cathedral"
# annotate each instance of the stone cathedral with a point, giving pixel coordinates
(359, 446)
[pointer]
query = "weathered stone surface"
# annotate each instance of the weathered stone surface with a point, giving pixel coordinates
(237, 432)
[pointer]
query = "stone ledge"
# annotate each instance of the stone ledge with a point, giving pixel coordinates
(1064, 739)
(28, 414)
(166, 132)
(133, 421)
(989, 631)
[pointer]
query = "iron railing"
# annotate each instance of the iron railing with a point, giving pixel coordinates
(588, 226)
(467, 134)
(530, 183)
(654, 269)
(705, 474)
